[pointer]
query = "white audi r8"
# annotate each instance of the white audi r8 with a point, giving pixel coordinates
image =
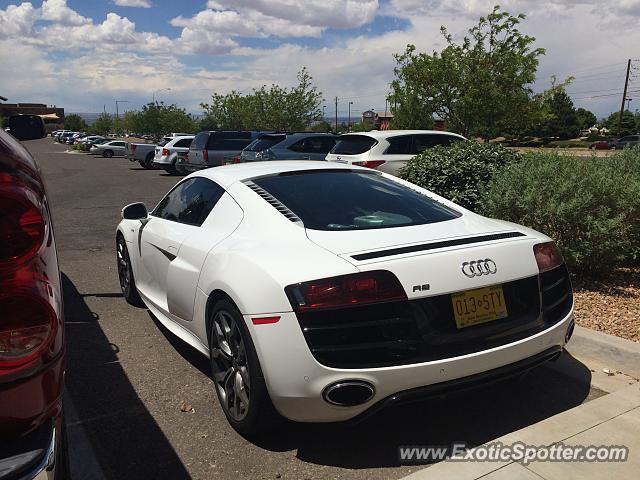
(323, 292)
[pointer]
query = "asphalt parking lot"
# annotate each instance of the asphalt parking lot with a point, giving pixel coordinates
(127, 377)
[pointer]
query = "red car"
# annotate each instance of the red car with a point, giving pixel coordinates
(600, 145)
(32, 348)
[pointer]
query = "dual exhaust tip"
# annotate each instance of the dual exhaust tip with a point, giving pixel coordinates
(348, 393)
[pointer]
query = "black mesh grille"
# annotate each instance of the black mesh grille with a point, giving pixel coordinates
(400, 333)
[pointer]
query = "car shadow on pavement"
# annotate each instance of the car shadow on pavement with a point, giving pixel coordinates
(107, 422)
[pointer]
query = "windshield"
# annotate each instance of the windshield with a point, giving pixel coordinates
(264, 143)
(346, 200)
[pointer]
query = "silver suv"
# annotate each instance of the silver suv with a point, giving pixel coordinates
(289, 146)
(214, 148)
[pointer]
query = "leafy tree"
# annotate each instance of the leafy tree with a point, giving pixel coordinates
(322, 126)
(365, 125)
(158, 119)
(612, 122)
(481, 86)
(585, 118)
(267, 108)
(75, 122)
(104, 124)
(4, 122)
(132, 121)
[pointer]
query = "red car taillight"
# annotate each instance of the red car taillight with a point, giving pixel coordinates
(186, 157)
(547, 256)
(28, 308)
(236, 159)
(22, 225)
(165, 152)
(369, 163)
(345, 291)
(205, 156)
(133, 147)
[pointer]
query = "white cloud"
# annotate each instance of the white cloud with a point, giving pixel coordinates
(133, 3)
(58, 12)
(17, 20)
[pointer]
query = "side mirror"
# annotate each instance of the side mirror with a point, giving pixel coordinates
(135, 211)
(27, 127)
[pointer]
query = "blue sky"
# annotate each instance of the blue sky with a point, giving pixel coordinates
(85, 54)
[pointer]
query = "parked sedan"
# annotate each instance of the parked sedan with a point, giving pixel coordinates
(32, 345)
(109, 149)
(628, 141)
(323, 291)
(289, 146)
(601, 145)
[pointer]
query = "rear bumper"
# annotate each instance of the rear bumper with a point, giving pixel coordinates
(296, 380)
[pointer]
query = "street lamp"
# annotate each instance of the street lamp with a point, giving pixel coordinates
(118, 112)
(157, 91)
(349, 118)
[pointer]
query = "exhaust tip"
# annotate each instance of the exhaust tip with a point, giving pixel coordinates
(348, 393)
(569, 333)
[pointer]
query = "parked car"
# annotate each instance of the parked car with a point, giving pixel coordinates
(181, 159)
(601, 145)
(387, 150)
(74, 138)
(211, 149)
(166, 154)
(62, 138)
(628, 141)
(329, 291)
(142, 153)
(32, 342)
(108, 149)
(289, 146)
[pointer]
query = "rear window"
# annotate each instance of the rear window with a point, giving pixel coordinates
(229, 141)
(344, 200)
(264, 143)
(353, 145)
(164, 141)
(199, 141)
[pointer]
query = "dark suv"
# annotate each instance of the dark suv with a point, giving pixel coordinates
(31, 317)
(215, 148)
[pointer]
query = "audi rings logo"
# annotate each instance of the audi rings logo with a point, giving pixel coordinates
(477, 268)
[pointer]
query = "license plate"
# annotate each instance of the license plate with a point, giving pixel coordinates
(481, 305)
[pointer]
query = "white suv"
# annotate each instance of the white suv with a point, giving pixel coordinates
(166, 153)
(387, 150)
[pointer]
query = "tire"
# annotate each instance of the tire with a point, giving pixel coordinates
(107, 153)
(143, 165)
(125, 274)
(236, 372)
(148, 161)
(171, 170)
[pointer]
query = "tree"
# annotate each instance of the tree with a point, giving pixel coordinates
(365, 125)
(267, 108)
(75, 122)
(104, 124)
(563, 122)
(158, 119)
(322, 126)
(480, 87)
(585, 118)
(628, 123)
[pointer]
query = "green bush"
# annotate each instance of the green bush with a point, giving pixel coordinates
(589, 205)
(460, 171)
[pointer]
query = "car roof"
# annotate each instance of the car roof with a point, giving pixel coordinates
(393, 133)
(229, 174)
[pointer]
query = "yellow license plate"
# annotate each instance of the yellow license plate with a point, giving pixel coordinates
(481, 305)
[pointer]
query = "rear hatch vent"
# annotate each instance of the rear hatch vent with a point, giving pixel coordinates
(273, 201)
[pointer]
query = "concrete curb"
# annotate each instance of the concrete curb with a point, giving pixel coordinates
(608, 350)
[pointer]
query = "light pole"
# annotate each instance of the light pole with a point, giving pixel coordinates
(324, 107)
(158, 91)
(349, 118)
(118, 112)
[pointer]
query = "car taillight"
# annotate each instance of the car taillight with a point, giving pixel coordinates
(205, 156)
(165, 152)
(547, 256)
(22, 225)
(345, 291)
(29, 309)
(186, 157)
(133, 147)
(369, 163)
(236, 159)
(28, 325)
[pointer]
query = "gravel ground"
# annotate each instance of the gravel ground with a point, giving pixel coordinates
(611, 305)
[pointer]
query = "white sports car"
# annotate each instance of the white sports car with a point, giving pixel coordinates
(324, 292)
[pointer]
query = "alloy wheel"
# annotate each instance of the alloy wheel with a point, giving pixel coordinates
(229, 362)
(124, 271)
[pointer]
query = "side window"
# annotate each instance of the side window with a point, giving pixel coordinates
(229, 144)
(189, 202)
(399, 145)
(318, 144)
(184, 143)
(118, 144)
(200, 141)
(422, 142)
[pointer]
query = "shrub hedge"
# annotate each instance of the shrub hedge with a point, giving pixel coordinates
(459, 172)
(589, 205)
